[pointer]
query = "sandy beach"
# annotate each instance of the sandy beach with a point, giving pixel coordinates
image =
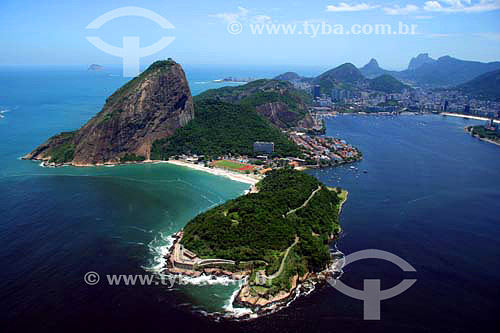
(219, 172)
(467, 116)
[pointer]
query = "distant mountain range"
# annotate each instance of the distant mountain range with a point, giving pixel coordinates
(348, 77)
(485, 86)
(423, 71)
(428, 72)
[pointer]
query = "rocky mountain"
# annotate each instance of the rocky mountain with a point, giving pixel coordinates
(422, 58)
(485, 86)
(388, 84)
(151, 106)
(372, 69)
(446, 72)
(343, 76)
(276, 100)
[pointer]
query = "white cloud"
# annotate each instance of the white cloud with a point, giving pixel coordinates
(262, 19)
(242, 15)
(489, 35)
(344, 7)
(439, 35)
(401, 10)
(229, 17)
(456, 6)
(423, 17)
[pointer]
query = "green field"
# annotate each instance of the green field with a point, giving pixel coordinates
(233, 165)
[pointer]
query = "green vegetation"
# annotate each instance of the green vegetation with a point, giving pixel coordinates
(389, 103)
(484, 133)
(64, 150)
(486, 86)
(160, 66)
(342, 77)
(235, 166)
(220, 128)
(260, 92)
(260, 227)
(387, 84)
(132, 158)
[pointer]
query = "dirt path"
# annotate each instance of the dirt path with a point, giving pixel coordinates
(305, 202)
(282, 265)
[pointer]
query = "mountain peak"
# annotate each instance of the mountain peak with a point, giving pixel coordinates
(446, 58)
(149, 107)
(422, 58)
(345, 74)
(372, 69)
(373, 62)
(372, 65)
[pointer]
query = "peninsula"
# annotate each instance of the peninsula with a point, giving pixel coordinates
(154, 118)
(277, 239)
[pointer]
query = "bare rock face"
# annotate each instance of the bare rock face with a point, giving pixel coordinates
(278, 114)
(149, 107)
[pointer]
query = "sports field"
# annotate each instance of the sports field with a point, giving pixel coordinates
(233, 165)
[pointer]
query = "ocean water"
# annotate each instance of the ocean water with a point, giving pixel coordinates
(430, 196)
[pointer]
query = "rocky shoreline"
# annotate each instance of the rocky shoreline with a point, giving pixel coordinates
(259, 305)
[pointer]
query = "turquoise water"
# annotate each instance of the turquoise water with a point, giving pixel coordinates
(61, 222)
(430, 195)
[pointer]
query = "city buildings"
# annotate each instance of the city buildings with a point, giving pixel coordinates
(263, 147)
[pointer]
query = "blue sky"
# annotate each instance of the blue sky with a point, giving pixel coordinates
(53, 32)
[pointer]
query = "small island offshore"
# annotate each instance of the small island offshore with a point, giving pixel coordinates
(276, 240)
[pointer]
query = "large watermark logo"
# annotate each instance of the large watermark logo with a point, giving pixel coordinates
(371, 295)
(131, 52)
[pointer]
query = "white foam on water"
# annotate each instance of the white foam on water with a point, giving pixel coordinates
(236, 312)
(140, 229)
(204, 280)
(159, 248)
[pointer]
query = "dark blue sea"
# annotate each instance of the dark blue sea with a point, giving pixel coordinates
(425, 191)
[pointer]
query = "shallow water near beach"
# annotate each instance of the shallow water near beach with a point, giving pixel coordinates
(430, 196)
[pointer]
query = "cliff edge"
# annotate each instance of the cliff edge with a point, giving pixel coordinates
(151, 106)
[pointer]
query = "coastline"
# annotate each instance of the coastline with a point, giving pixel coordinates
(215, 171)
(250, 306)
(247, 179)
(181, 261)
(467, 116)
(482, 139)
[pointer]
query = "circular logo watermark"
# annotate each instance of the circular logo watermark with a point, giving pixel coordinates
(91, 278)
(234, 27)
(371, 294)
(131, 51)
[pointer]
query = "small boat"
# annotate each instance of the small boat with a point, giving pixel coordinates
(365, 171)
